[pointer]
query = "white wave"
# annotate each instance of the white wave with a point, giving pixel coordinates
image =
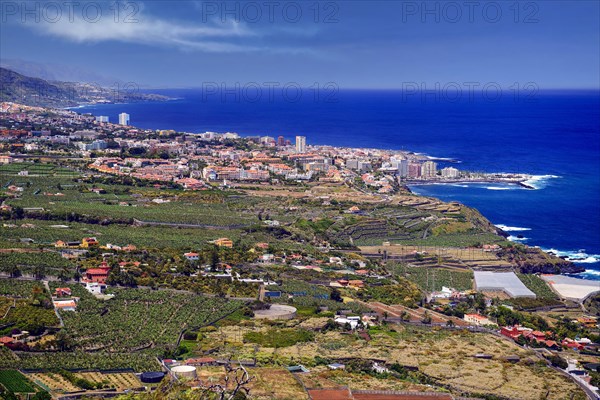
(591, 272)
(517, 239)
(579, 256)
(457, 185)
(511, 228)
(441, 158)
(499, 188)
(539, 181)
(587, 260)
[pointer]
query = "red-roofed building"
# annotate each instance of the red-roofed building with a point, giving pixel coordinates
(4, 340)
(536, 335)
(191, 256)
(99, 274)
(355, 283)
(514, 332)
(551, 344)
(60, 292)
(571, 344)
(66, 305)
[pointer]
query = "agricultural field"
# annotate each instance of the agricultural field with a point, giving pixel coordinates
(159, 237)
(455, 240)
(35, 263)
(36, 169)
(304, 296)
(118, 381)
(433, 279)
(52, 382)
(137, 319)
(26, 316)
(20, 289)
(77, 360)
(25, 306)
(62, 197)
(538, 286)
(15, 381)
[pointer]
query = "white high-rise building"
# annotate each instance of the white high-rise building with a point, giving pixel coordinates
(101, 118)
(428, 169)
(300, 144)
(450, 172)
(123, 119)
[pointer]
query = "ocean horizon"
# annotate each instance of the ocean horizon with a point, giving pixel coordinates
(554, 136)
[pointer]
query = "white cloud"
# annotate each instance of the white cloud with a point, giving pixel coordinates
(148, 30)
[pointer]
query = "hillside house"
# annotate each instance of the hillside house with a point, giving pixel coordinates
(191, 256)
(62, 292)
(4, 340)
(65, 305)
(514, 332)
(98, 275)
(223, 242)
(95, 288)
(477, 319)
(89, 242)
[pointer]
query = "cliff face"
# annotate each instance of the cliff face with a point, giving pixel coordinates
(532, 260)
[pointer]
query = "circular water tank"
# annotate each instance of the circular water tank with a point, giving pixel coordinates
(184, 371)
(276, 311)
(152, 377)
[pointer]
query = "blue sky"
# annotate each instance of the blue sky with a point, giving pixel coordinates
(356, 44)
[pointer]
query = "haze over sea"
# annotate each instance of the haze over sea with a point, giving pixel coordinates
(554, 135)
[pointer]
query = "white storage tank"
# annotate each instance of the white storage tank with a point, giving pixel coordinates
(184, 371)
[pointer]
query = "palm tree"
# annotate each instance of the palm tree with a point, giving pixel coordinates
(64, 274)
(13, 270)
(39, 271)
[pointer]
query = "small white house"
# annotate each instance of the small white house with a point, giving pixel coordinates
(343, 321)
(267, 258)
(95, 287)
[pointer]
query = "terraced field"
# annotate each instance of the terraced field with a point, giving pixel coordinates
(119, 381)
(56, 383)
(53, 382)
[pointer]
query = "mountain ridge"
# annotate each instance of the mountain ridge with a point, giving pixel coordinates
(31, 91)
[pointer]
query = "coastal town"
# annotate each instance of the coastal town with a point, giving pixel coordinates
(189, 161)
(137, 262)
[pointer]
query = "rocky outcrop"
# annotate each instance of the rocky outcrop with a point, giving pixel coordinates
(532, 260)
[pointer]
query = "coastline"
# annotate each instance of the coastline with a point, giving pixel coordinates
(525, 182)
(519, 182)
(585, 274)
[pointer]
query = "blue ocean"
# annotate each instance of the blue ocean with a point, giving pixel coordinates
(554, 135)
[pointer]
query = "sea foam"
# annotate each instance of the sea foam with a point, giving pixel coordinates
(540, 181)
(500, 188)
(579, 256)
(511, 228)
(517, 239)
